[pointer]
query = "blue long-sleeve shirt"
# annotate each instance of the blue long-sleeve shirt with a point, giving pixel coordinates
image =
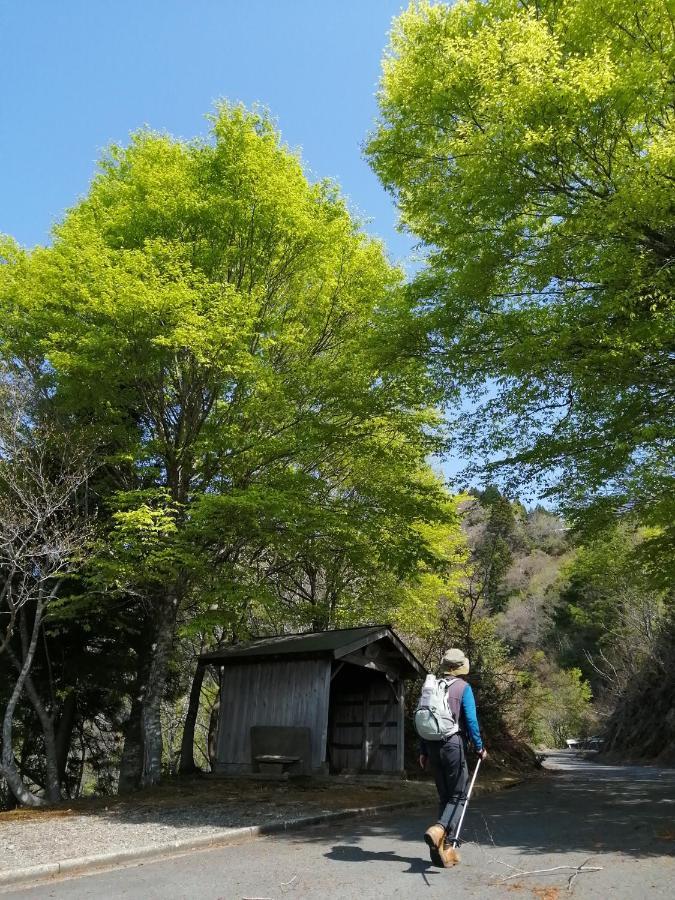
(471, 717)
(468, 721)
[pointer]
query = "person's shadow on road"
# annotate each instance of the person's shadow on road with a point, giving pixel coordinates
(352, 853)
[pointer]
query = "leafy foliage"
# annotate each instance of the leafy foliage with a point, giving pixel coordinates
(610, 617)
(557, 703)
(530, 146)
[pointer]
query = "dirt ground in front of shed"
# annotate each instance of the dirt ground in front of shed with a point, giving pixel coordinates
(204, 791)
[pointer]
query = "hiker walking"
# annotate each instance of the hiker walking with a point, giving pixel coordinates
(445, 718)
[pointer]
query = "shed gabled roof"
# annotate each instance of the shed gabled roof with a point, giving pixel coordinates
(333, 644)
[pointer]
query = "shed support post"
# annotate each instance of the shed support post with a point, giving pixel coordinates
(400, 726)
(323, 762)
(364, 745)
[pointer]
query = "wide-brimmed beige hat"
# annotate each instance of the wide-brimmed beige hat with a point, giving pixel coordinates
(454, 662)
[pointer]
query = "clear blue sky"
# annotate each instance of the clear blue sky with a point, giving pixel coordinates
(79, 74)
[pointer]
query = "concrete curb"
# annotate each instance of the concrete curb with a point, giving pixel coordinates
(83, 864)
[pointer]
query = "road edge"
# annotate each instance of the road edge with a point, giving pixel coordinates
(84, 864)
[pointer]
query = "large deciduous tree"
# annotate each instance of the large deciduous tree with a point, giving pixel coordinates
(233, 333)
(530, 145)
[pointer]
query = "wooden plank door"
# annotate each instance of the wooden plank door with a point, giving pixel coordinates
(347, 731)
(382, 738)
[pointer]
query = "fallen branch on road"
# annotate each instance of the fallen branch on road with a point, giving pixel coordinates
(576, 870)
(582, 868)
(522, 873)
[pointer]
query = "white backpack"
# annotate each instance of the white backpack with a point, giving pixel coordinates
(433, 717)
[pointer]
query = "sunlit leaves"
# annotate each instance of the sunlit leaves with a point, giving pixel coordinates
(530, 146)
(247, 357)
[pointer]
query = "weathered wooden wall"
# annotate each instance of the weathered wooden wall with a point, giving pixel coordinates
(291, 693)
(366, 723)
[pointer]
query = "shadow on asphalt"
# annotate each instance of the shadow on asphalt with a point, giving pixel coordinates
(558, 813)
(354, 853)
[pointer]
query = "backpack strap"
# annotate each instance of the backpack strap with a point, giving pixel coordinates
(456, 688)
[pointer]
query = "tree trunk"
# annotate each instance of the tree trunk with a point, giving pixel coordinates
(213, 732)
(7, 763)
(131, 764)
(64, 733)
(187, 747)
(15, 783)
(151, 722)
(53, 785)
(214, 717)
(10, 802)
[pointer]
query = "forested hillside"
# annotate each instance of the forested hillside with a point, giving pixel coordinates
(560, 632)
(579, 627)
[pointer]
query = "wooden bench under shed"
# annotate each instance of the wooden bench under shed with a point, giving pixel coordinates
(275, 765)
(281, 750)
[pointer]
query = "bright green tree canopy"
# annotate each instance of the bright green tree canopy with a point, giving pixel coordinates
(230, 333)
(530, 145)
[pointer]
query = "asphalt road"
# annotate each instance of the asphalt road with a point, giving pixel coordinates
(621, 819)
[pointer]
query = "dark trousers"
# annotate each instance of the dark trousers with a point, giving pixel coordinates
(448, 763)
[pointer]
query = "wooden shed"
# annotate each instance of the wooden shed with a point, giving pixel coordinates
(338, 694)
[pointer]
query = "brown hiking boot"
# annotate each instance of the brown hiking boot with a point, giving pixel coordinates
(434, 837)
(449, 856)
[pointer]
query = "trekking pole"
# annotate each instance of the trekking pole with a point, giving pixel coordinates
(455, 840)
